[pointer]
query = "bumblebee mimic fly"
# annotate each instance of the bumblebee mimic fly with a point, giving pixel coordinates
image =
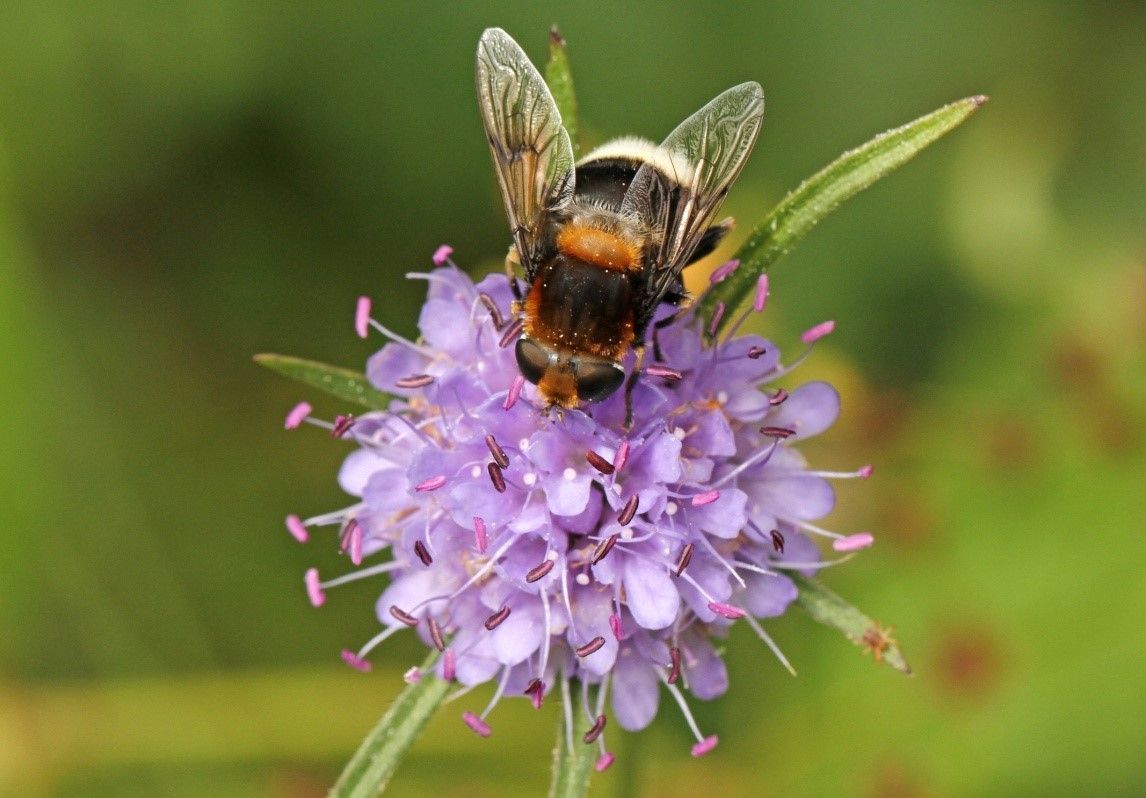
(602, 241)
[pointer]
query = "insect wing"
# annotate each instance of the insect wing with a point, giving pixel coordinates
(531, 150)
(704, 156)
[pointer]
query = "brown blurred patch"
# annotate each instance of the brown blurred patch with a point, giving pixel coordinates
(882, 417)
(1011, 444)
(968, 660)
(907, 522)
(1081, 370)
(893, 779)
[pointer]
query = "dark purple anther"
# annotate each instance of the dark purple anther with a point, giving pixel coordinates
(777, 541)
(777, 432)
(595, 731)
(629, 510)
(682, 562)
(511, 332)
(539, 571)
(600, 463)
(498, 453)
(603, 548)
(403, 616)
(674, 664)
(495, 477)
(592, 647)
(423, 553)
(495, 314)
(342, 425)
(495, 620)
(436, 634)
(414, 381)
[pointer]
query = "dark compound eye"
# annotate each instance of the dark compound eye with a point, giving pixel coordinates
(598, 379)
(532, 359)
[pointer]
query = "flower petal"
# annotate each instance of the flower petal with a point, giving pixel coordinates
(651, 595)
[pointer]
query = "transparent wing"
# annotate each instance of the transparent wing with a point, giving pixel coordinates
(531, 150)
(703, 157)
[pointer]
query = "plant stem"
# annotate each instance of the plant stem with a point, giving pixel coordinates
(369, 770)
(572, 769)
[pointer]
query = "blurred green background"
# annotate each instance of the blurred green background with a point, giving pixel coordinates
(184, 184)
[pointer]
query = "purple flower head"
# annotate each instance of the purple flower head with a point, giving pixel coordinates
(536, 549)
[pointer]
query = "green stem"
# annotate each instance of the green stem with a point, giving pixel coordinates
(369, 770)
(572, 769)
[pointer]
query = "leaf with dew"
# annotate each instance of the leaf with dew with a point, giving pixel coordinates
(560, 80)
(346, 384)
(829, 609)
(821, 194)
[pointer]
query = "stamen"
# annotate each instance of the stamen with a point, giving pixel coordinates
(355, 661)
(495, 620)
(592, 647)
(481, 539)
(604, 762)
(600, 463)
(856, 542)
(413, 381)
(629, 510)
(297, 415)
(595, 730)
(403, 616)
(667, 372)
(717, 315)
(479, 726)
(675, 692)
(682, 563)
(342, 425)
(413, 675)
(496, 477)
(674, 664)
(514, 392)
(865, 472)
(352, 540)
(777, 540)
(362, 316)
(701, 499)
(433, 483)
(449, 664)
(726, 610)
(297, 529)
(442, 254)
(616, 626)
(778, 398)
(494, 312)
(777, 432)
(423, 553)
(759, 457)
(536, 692)
(511, 332)
(814, 334)
(705, 745)
(603, 549)
(314, 588)
(538, 571)
(721, 273)
(365, 573)
(756, 352)
(499, 455)
(436, 634)
(768, 641)
(621, 457)
(761, 298)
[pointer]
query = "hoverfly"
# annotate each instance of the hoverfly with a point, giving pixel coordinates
(602, 241)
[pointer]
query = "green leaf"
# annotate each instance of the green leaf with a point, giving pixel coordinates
(560, 80)
(820, 194)
(346, 384)
(831, 610)
(572, 768)
(369, 770)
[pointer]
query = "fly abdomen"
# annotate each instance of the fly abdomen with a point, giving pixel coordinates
(582, 307)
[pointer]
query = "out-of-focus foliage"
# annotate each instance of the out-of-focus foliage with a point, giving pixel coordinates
(185, 184)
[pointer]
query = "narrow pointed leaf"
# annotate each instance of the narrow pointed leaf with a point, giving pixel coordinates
(345, 384)
(829, 609)
(369, 770)
(560, 80)
(822, 193)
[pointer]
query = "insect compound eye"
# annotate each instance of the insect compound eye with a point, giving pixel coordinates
(532, 359)
(598, 379)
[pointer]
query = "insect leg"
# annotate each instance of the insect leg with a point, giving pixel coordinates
(631, 383)
(512, 261)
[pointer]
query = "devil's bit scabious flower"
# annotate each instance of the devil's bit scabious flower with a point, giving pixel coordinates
(534, 548)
